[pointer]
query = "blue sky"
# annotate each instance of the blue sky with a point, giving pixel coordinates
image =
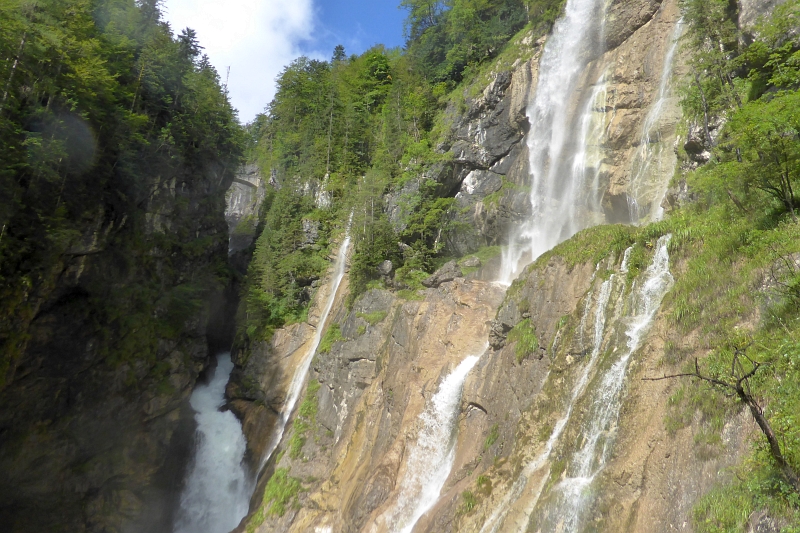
(358, 24)
(258, 38)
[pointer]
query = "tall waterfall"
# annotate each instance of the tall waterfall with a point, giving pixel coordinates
(431, 457)
(558, 171)
(218, 488)
(654, 162)
(539, 463)
(562, 506)
(301, 372)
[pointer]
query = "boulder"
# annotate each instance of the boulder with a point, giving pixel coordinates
(385, 268)
(448, 272)
(471, 262)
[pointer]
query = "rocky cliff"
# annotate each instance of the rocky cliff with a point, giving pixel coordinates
(94, 426)
(466, 407)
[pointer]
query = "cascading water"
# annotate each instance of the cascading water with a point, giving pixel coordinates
(431, 457)
(556, 173)
(562, 509)
(500, 515)
(301, 372)
(218, 488)
(654, 162)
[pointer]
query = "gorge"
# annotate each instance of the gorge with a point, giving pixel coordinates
(460, 292)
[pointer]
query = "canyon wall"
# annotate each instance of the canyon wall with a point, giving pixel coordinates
(428, 413)
(94, 436)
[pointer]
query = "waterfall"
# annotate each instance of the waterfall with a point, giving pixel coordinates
(431, 457)
(555, 183)
(218, 488)
(300, 373)
(653, 160)
(562, 509)
(496, 520)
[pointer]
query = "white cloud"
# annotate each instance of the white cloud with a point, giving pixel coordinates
(256, 38)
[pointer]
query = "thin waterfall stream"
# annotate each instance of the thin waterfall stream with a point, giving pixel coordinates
(653, 159)
(496, 520)
(432, 456)
(563, 508)
(301, 372)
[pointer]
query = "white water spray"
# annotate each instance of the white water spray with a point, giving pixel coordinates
(301, 372)
(654, 162)
(497, 519)
(218, 488)
(564, 508)
(431, 457)
(557, 180)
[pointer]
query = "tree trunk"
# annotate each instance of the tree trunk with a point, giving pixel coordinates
(13, 70)
(766, 429)
(705, 108)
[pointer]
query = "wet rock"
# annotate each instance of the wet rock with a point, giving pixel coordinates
(762, 522)
(448, 272)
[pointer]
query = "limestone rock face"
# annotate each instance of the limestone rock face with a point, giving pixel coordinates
(448, 272)
(244, 197)
(374, 384)
(751, 10)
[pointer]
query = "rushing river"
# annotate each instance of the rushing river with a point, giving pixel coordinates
(218, 486)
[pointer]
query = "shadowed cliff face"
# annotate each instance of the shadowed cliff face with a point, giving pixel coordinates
(95, 429)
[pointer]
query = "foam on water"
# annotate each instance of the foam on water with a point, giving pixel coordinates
(218, 487)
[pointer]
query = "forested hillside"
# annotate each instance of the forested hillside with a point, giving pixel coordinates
(739, 291)
(356, 128)
(117, 143)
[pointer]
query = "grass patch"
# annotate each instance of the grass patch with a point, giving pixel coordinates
(373, 318)
(332, 335)
(306, 420)
(492, 437)
(411, 277)
(281, 489)
(308, 409)
(469, 501)
(410, 294)
(525, 337)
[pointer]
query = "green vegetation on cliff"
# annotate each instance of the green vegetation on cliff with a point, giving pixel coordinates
(739, 244)
(114, 135)
(342, 136)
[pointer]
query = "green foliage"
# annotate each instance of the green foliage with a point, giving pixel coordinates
(469, 501)
(332, 334)
(298, 439)
(447, 39)
(373, 318)
(484, 484)
(308, 409)
(761, 152)
(492, 437)
(305, 420)
(279, 491)
(101, 107)
(592, 245)
(284, 265)
(524, 335)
